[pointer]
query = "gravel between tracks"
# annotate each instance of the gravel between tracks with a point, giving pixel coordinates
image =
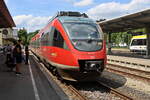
(136, 89)
(94, 91)
(97, 95)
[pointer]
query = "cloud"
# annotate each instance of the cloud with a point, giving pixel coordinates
(30, 22)
(80, 3)
(115, 9)
(83, 3)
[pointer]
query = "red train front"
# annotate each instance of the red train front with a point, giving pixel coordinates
(73, 45)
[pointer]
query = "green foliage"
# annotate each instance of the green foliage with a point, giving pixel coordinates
(31, 34)
(22, 34)
(26, 37)
(125, 37)
(138, 30)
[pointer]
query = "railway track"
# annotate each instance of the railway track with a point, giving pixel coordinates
(128, 63)
(69, 90)
(76, 94)
(129, 72)
(100, 91)
(116, 92)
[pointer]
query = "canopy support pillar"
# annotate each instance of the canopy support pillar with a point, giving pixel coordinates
(109, 43)
(148, 41)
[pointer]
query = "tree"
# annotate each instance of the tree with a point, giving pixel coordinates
(125, 37)
(26, 37)
(32, 34)
(22, 34)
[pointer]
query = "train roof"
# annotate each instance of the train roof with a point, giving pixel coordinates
(64, 19)
(70, 16)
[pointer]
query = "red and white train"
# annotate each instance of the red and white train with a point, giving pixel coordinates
(73, 45)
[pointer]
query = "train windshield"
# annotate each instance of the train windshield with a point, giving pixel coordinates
(84, 36)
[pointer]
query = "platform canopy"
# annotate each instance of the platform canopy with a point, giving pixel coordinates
(126, 23)
(5, 17)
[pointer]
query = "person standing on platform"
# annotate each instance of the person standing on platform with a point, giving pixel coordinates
(8, 52)
(27, 54)
(18, 56)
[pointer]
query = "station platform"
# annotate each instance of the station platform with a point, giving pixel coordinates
(31, 85)
(139, 63)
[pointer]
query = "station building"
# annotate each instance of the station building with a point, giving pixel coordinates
(6, 25)
(126, 23)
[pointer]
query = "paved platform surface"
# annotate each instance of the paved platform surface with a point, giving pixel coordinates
(22, 87)
(126, 53)
(139, 61)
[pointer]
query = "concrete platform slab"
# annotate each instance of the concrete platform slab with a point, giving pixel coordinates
(21, 87)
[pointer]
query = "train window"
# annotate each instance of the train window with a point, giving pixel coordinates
(144, 41)
(49, 36)
(44, 39)
(58, 40)
(83, 31)
(84, 36)
(42, 34)
(139, 42)
(65, 46)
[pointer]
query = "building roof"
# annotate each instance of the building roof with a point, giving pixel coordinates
(5, 17)
(128, 22)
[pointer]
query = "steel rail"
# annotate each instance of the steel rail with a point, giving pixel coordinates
(133, 69)
(77, 93)
(129, 74)
(129, 63)
(116, 92)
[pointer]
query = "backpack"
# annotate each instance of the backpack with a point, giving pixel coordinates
(14, 51)
(8, 49)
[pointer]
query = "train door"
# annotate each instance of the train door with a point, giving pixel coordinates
(57, 39)
(49, 36)
(40, 52)
(43, 45)
(57, 43)
(46, 43)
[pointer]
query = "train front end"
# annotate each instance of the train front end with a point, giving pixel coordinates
(87, 47)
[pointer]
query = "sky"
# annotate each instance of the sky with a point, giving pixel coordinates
(34, 14)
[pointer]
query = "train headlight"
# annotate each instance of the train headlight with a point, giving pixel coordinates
(100, 43)
(92, 65)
